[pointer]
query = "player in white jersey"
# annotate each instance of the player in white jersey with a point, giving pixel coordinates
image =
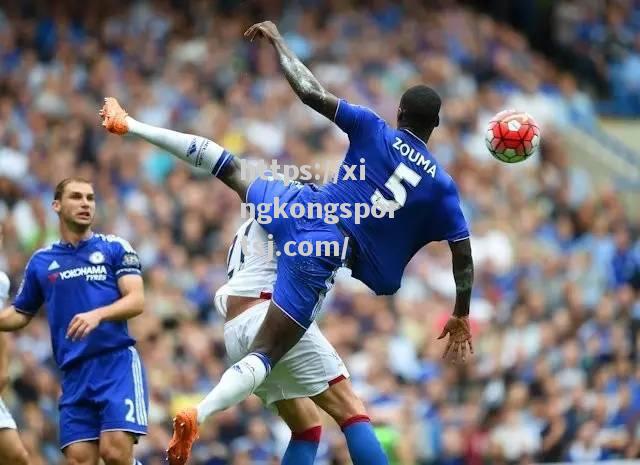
(310, 375)
(305, 371)
(11, 448)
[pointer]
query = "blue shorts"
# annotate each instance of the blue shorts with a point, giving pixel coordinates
(302, 280)
(104, 393)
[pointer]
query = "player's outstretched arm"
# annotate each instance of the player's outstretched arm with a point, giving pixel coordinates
(303, 82)
(197, 151)
(458, 325)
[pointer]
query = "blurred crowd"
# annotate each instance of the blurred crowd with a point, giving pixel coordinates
(600, 40)
(556, 304)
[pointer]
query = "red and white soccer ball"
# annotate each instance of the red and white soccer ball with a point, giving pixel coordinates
(512, 136)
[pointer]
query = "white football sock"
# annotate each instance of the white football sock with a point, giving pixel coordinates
(195, 150)
(236, 384)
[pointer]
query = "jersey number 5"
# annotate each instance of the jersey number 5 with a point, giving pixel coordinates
(394, 184)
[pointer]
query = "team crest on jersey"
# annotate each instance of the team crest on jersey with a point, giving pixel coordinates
(96, 258)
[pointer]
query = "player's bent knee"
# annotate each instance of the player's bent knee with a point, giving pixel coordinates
(116, 448)
(300, 415)
(17, 456)
(21, 457)
(12, 449)
(75, 461)
(78, 460)
(112, 454)
(349, 410)
(341, 402)
(81, 453)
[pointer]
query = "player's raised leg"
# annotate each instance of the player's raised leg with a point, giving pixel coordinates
(346, 408)
(303, 419)
(277, 335)
(194, 150)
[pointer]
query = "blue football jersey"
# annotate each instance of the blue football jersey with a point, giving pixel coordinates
(71, 280)
(402, 178)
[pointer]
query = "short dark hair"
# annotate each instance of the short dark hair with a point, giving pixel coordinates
(419, 107)
(60, 187)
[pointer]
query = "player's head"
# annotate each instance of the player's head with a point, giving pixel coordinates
(74, 202)
(419, 109)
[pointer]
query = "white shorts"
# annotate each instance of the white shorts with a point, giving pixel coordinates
(6, 420)
(305, 371)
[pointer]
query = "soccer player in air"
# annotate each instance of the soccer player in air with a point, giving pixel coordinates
(91, 285)
(11, 448)
(402, 177)
(310, 374)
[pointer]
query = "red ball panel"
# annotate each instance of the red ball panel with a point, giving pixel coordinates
(512, 143)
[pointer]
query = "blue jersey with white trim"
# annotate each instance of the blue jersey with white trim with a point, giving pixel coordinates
(71, 280)
(402, 179)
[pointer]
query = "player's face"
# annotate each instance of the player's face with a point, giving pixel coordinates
(77, 205)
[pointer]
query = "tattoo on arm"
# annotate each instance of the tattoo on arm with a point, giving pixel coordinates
(463, 275)
(304, 83)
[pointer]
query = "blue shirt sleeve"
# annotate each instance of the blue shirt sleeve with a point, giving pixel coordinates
(355, 120)
(454, 225)
(125, 258)
(29, 298)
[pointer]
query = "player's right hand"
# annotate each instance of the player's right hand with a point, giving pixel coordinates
(459, 333)
(265, 29)
(83, 323)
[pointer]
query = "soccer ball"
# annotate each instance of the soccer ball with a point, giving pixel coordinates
(512, 136)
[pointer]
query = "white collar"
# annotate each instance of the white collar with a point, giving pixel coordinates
(421, 141)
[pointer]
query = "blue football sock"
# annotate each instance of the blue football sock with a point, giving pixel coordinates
(364, 447)
(303, 447)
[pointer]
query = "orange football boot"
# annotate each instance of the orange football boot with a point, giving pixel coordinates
(114, 117)
(185, 432)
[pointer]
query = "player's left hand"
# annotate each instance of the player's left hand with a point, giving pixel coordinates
(82, 324)
(459, 336)
(265, 29)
